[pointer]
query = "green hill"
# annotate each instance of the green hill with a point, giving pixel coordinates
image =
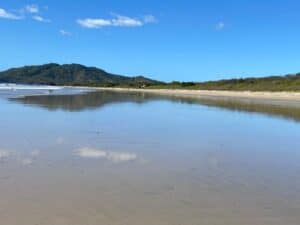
(69, 74)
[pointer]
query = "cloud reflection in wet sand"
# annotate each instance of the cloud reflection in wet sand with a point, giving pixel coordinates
(4, 154)
(116, 157)
(24, 160)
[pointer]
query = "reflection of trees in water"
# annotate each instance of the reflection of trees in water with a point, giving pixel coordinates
(79, 102)
(289, 112)
(98, 99)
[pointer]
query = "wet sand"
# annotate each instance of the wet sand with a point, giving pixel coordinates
(129, 159)
(99, 99)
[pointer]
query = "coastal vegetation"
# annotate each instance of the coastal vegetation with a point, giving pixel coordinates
(79, 75)
(271, 83)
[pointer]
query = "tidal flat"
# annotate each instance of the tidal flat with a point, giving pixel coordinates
(76, 156)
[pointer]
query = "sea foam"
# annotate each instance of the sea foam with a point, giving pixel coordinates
(6, 86)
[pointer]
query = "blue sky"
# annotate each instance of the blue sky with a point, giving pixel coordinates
(167, 40)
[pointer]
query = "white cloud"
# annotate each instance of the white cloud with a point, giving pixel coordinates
(220, 26)
(93, 23)
(41, 19)
(150, 19)
(65, 33)
(115, 157)
(32, 8)
(117, 21)
(124, 21)
(6, 15)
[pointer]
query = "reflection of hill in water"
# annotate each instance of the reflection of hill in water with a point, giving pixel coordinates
(84, 101)
(93, 100)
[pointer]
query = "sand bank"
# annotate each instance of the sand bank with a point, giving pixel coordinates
(291, 96)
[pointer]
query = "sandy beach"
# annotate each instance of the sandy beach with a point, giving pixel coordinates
(281, 96)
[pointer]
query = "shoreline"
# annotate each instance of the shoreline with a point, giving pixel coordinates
(265, 97)
(287, 96)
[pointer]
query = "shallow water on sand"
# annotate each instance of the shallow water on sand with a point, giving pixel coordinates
(72, 157)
